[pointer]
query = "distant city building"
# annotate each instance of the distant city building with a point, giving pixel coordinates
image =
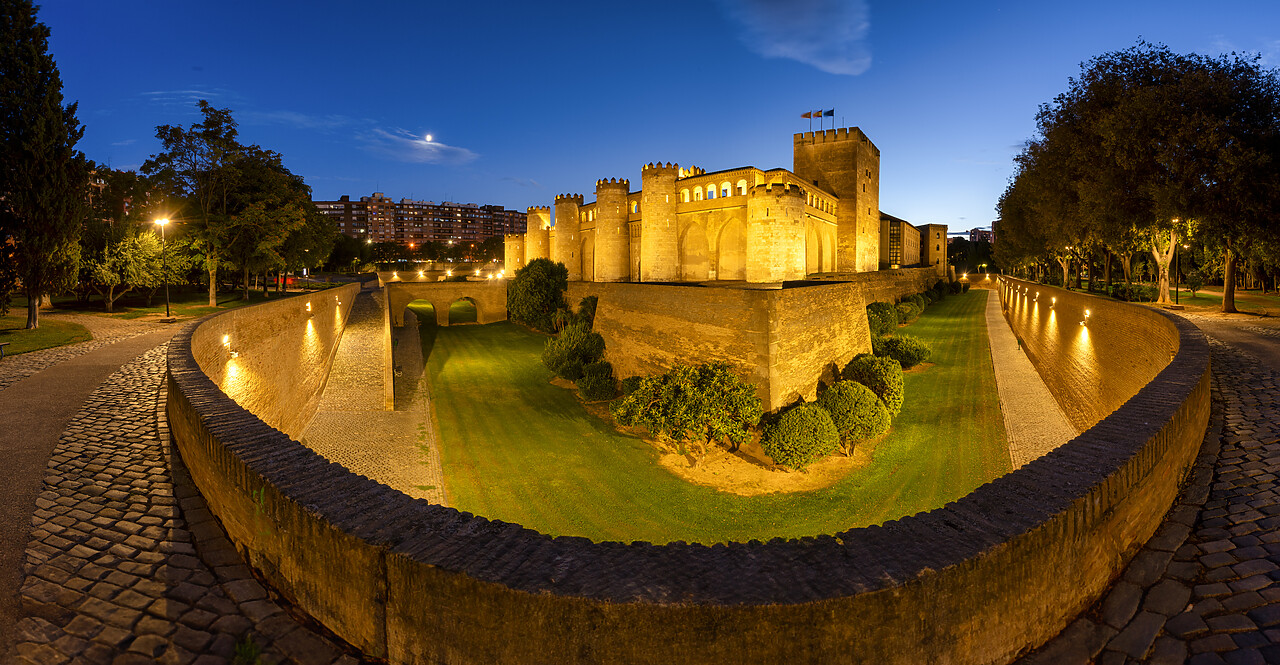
(899, 243)
(981, 235)
(933, 245)
(380, 219)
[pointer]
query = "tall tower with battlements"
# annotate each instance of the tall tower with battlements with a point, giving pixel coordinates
(846, 163)
(659, 233)
(567, 239)
(613, 240)
(537, 234)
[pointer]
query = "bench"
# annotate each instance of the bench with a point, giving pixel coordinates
(2, 345)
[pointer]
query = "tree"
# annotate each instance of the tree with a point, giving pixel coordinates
(43, 178)
(132, 262)
(198, 164)
(536, 292)
(266, 205)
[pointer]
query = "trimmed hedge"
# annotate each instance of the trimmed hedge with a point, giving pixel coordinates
(882, 318)
(801, 436)
(907, 350)
(857, 413)
(882, 375)
(908, 311)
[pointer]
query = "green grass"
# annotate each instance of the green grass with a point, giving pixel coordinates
(462, 311)
(520, 450)
(51, 333)
(183, 302)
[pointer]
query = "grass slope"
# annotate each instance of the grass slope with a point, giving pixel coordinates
(51, 333)
(520, 450)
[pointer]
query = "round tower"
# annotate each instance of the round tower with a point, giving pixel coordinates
(613, 242)
(659, 231)
(567, 234)
(513, 253)
(775, 233)
(536, 244)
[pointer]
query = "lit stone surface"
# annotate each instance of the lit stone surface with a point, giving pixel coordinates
(125, 562)
(1033, 422)
(1207, 578)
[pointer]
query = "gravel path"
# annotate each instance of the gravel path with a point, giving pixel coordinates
(1034, 423)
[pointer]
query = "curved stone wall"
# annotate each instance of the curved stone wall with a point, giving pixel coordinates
(978, 581)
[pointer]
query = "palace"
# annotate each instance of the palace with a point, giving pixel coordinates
(743, 224)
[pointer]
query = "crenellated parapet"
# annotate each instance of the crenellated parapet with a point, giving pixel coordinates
(775, 232)
(692, 171)
(566, 198)
(537, 243)
(566, 237)
(659, 238)
(655, 169)
(777, 189)
(613, 183)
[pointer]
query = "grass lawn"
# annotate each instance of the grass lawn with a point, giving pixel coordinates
(183, 302)
(50, 333)
(518, 449)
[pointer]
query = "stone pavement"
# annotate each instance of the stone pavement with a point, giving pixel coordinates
(1204, 588)
(104, 330)
(125, 564)
(396, 448)
(1034, 423)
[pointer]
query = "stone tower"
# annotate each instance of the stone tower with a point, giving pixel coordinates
(659, 235)
(613, 241)
(513, 253)
(537, 234)
(568, 223)
(846, 163)
(775, 233)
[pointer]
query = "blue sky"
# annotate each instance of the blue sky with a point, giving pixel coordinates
(524, 100)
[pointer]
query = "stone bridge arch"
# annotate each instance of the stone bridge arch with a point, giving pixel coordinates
(489, 296)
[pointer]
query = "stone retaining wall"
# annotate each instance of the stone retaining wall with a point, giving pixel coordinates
(978, 581)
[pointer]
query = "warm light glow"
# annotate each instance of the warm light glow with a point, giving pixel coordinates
(226, 340)
(162, 221)
(395, 275)
(1086, 314)
(308, 307)
(419, 273)
(477, 272)
(448, 273)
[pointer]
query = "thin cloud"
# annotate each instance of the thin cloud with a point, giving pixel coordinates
(297, 120)
(523, 182)
(829, 35)
(405, 146)
(125, 142)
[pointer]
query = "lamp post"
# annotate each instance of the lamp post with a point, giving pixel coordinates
(164, 265)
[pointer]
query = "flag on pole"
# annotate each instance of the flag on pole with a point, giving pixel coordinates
(808, 114)
(830, 114)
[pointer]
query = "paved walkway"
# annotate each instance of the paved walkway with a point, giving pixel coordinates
(397, 448)
(1033, 421)
(105, 331)
(124, 562)
(1204, 588)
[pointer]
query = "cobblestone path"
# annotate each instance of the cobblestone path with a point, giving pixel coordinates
(1204, 589)
(397, 448)
(125, 562)
(104, 330)
(1034, 424)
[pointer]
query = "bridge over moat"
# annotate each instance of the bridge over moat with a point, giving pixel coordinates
(489, 297)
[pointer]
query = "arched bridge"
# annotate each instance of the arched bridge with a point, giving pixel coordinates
(489, 297)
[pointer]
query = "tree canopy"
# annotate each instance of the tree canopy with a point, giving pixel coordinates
(1143, 149)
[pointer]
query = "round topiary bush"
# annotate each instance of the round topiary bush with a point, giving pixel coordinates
(907, 350)
(857, 413)
(882, 375)
(920, 300)
(908, 311)
(800, 436)
(882, 318)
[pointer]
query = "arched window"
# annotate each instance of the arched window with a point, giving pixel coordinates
(697, 194)
(742, 187)
(725, 189)
(635, 207)
(684, 196)
(711, 192)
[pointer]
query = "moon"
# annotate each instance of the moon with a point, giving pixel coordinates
(428, 138)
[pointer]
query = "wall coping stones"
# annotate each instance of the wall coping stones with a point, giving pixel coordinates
(1070, 491)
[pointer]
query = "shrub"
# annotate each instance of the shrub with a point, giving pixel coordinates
(587, 310)
(456, 278)
(929, 297)
(908, 311)
(575, 347)
(964, 287)
(882, 375)
(857, 413)
(1195, 281)
(692, 404)
(956, 288)
(800, 436)
(1136, 292)
(882, 318)
(920, 301)
(907, 350)
(597, 382)
(630, 384)
(536, 292)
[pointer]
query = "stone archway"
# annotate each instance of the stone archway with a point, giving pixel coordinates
(731, 251)
(463, 310)
(694, 265)
(589, 258)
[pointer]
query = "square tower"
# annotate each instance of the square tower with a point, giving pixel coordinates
(846, 163)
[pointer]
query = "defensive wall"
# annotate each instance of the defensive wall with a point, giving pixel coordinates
(980, 580)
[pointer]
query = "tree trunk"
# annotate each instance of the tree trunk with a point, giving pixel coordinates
(211, 264)
(1229, 281)
(1066, 273)
(33, 309)
(1107, 269)
(246, 283)
(109, 298)
(1163, 257)
(266, 287)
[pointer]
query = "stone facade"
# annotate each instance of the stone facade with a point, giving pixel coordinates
(847, 164)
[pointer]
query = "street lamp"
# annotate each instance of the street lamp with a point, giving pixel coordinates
(1177, 271)
(164, 265)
